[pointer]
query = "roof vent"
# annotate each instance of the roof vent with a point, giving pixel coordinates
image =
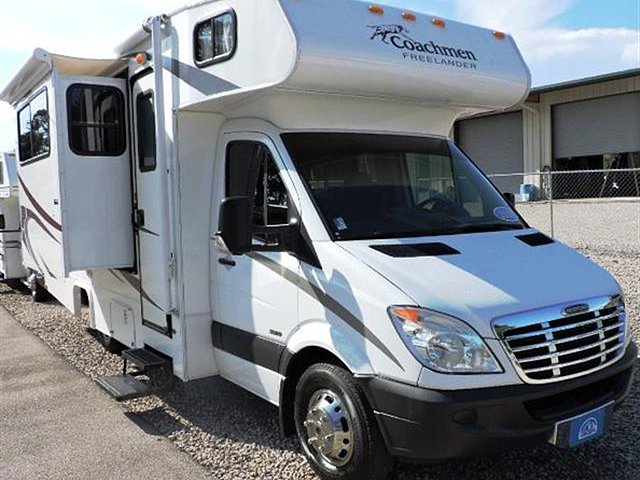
(416, 250)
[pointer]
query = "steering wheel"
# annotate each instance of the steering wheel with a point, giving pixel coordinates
(438, 203)
(443, 206)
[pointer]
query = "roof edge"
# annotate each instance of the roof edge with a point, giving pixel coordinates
(607, 77)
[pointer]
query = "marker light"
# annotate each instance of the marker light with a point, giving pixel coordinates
(443, 343)
(376, 9)
(141, 58)
(409, 16)
(438, 22)
(499, 35)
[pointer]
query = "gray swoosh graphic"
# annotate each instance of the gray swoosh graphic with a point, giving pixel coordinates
(204, 82)
(327, 301)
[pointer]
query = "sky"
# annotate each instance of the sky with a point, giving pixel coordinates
(560, 39)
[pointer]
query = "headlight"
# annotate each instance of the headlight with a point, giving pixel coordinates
(442, 343)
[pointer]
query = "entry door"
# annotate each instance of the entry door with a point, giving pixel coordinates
(255, 296)
(150, 221)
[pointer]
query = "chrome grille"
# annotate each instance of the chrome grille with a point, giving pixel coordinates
(558, 343)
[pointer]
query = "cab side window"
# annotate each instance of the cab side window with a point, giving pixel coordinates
(252, 172)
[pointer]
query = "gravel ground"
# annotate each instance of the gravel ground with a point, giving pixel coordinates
(234, 435)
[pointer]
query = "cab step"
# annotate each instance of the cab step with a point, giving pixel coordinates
(124, 387)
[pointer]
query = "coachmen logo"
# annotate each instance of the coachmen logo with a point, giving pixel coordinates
(398, 36)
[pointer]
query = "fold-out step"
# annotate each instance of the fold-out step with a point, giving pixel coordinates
(123, 387)
(144, 359)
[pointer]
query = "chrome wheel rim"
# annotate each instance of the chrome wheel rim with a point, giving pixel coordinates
(329, 428)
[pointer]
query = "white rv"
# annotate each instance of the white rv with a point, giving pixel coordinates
(266, 191)
(11, 265)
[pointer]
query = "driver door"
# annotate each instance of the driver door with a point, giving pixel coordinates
(255, 305)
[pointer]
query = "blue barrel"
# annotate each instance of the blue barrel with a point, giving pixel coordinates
(528, 189)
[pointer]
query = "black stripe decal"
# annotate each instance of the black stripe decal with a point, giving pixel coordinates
(248, 346)
(47, 268)
(117, 277)
(146, 230)
(31, 215)
(135, 283)
(50, 220)
(26, 241)
(328, 302)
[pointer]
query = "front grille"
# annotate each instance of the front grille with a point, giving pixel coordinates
(550, 345)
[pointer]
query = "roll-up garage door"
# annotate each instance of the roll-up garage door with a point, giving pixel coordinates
(495, 144)
(597, 127)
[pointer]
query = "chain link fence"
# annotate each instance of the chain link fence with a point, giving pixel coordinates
(583, 208)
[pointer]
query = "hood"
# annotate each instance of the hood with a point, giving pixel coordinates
(494, 274)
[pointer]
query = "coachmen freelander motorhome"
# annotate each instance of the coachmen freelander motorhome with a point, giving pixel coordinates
(265, 190)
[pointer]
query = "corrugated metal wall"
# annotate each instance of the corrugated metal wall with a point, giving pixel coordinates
(495, 144)
(538, 140)
(537, 119)
(597, 126)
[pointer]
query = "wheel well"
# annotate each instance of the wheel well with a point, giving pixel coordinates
(294, 368)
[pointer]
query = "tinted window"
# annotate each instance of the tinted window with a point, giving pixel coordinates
(96, 120)
(252, 172)
(215, 39)
(146, 130)
(388, 186)
(33, 128)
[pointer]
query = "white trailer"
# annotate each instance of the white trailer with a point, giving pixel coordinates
(266, 191)
(11, 266)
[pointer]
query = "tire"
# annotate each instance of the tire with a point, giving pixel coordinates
(38, 293)
(356, 450)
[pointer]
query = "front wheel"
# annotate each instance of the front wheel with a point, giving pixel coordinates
(336, 428)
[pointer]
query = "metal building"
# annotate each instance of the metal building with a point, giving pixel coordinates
(586, 124)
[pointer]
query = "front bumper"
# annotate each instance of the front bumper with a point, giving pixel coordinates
(422, 424)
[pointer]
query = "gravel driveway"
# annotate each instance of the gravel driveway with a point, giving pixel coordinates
(234, 435)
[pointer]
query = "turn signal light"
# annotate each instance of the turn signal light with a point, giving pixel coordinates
(376, 9)
(499, 35)
(409, 16)
(438, 22)
(141, 58)
(408, 314)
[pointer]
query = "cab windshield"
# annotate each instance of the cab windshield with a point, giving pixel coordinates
(370, 186)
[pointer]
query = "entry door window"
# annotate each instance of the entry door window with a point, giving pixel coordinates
(252, 172)
(146, 132)
(96, 120)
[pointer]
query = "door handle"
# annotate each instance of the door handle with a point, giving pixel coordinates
(227, 262)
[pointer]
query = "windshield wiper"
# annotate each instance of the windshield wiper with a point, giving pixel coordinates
(469, 228)
(485, 227)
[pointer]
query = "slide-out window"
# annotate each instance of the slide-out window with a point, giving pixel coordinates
(146, 130)
(215, 39)
(33, 128)
(96, 120)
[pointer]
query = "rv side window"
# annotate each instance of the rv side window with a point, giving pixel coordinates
(215, 39)
(252, 172)
(96, 120)
(146, 130)
(33, 128)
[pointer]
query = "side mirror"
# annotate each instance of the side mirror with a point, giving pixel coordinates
(510, 198)
(234, 224)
